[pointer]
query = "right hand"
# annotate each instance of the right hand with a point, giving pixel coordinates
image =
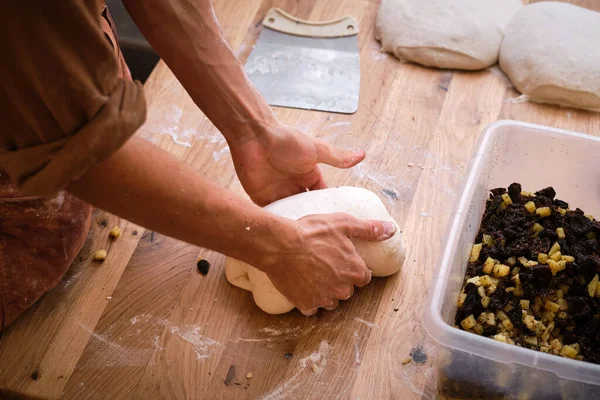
(320, 266)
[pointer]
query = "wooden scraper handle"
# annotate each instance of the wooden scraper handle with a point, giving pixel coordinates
(279, 20)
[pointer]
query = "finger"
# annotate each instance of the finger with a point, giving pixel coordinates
(349, 293)
(333, 305)
(309, 313)
(367, 278)
(335, 157)
(371, 230)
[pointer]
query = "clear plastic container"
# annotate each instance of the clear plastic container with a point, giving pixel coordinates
(471, 366)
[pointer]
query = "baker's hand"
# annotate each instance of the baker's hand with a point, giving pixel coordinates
(320, 266)
(284, 162)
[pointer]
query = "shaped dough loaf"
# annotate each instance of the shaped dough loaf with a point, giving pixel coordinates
(461, 34)
(383, 258)
(551, 53)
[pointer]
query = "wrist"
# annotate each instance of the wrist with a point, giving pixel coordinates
(280, 238)
(256, 129)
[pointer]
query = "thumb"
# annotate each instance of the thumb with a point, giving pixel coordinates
(335, 157)
(371, 230)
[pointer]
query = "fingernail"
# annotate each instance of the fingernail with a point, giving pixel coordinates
(389, 228)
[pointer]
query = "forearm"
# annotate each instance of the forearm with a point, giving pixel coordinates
(149, 187)
(187, 36)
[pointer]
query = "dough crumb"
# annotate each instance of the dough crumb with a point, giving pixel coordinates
(410, 165)
(100, 255)
(216, 300)
(406, 360)
(115, 232)
(191, 308)
(316, 368)
(249, 375)
(108, 297)
(247, 228)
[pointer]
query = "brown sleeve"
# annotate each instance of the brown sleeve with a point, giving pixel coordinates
(63, 105)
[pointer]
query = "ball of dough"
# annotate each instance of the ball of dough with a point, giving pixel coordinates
(550, 52)
(457, 34)
(383, 258)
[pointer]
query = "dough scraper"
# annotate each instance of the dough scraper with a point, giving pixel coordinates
(305, 64)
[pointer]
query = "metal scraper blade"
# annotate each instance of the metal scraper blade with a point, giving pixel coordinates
(313, 73)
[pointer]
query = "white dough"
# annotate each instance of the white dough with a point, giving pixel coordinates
(551, 53)
(383, 258)
(457, 34)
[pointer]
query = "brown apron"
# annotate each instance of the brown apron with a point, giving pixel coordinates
(40, 238)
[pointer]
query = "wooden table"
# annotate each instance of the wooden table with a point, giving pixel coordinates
(146, 324)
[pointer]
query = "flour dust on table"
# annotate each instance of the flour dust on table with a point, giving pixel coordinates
(382, 258)
(456, 34)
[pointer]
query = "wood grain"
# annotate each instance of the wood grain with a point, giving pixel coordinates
(146, 324)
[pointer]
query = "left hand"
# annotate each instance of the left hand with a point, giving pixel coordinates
(284, 162)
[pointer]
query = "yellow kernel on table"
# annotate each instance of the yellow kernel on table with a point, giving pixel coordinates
(568, 258)
(537, 228)
(515, 271)
(552, 306)
(488, 240)
(530, 206)
(506, 198)
(475, 250)
(509, 289)
(488, 265)
(100, 255)
(461, 299)
(491, 319)
(315, 368)
(249, 375)
(511, 261)
(543, 211)
(407, 360)
(468, 322)
(525, 304)
(555, 247)
(556, 256)
(560, 232)
(485, 302)
(501, 270)
(542, 258)
(568, 351)
(115, 232)
(562, 211)
(593, 286)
